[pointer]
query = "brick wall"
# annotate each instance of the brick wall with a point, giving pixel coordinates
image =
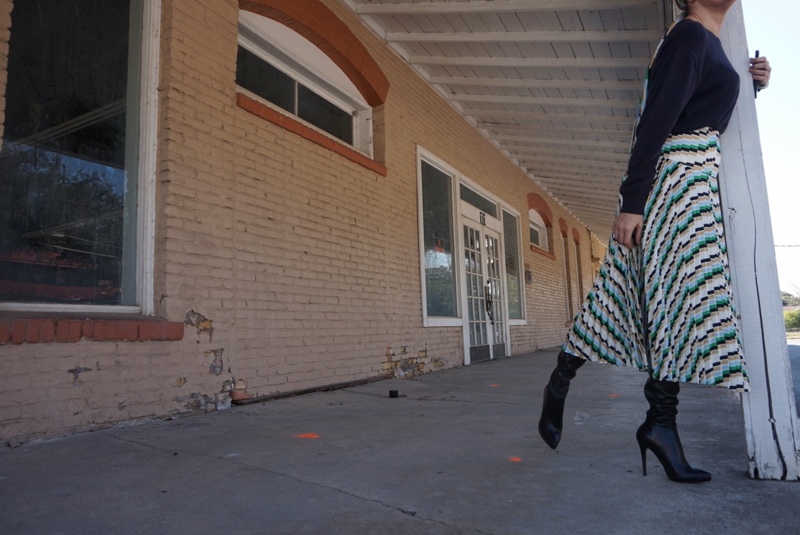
(290, 265)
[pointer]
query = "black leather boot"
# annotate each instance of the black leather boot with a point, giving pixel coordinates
(555, 393)
(659, 433)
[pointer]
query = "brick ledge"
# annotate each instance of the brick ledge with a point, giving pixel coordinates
(542, 252)
(16, 328)
(284, 121)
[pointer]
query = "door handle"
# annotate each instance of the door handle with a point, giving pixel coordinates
(487, 298)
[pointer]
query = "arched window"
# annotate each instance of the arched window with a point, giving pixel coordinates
(302, 68)
(540, 222)
(567, 269)
(576, 241)
(278, 65)
(538, 230)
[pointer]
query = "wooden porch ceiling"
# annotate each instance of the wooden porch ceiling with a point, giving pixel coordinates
(553, 83)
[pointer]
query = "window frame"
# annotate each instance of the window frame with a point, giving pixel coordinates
(579, 290)
(457, 180)
(541, 229)
(521, 266)
(439, 321)
(146, 14)
(254, 41)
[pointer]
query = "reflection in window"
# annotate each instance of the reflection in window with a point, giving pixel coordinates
(258, 76)
(513, 271)
(440, 280)
(478, 201)
(67, 206)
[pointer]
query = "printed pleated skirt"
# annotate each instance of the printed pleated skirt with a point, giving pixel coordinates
(666, 306)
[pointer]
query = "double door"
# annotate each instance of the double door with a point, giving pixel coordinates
(485, 328)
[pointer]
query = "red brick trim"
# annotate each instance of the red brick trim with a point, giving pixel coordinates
(563, 227)
(293, 125)
(542, 252)
(44, 328)
(576, 236)
(317, 23)
(537, 202)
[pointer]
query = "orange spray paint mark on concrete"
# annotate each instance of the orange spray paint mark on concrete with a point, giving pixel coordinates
(614, 395)
(515, 459)
(494, 384)
(308, 435)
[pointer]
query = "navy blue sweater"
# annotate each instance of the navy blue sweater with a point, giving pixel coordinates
(692, 85)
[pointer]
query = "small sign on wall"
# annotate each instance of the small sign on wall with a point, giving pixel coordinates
(528, 275)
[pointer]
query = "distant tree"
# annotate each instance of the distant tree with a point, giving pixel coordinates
(789, 300)
(792, 320)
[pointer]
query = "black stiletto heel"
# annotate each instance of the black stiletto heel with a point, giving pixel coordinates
(555, 394)
(644, 459)
(659, 434)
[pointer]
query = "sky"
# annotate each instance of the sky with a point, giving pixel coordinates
(772, 29)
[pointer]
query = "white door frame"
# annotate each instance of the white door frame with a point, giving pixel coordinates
(469, 215)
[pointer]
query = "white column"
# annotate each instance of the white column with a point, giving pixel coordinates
(769, 409)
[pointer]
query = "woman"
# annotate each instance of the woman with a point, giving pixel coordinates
(663, 301)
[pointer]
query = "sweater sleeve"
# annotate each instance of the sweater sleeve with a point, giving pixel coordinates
(675, 77)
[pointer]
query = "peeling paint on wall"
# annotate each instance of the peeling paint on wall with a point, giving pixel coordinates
(438, 363)
(403, 366)
(216, 367)
(197, 402)
(200, 322)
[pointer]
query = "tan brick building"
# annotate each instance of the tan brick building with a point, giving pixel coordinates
(240, 242)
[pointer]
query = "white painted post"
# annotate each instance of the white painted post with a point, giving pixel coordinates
(769, 409)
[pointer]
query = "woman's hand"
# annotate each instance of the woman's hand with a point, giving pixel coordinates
(760, 69)
(627, 229)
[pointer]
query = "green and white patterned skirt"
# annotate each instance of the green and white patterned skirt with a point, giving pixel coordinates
(666, 306)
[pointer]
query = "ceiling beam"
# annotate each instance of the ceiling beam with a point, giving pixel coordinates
(598, 158)
(560, 63)
(567, 167)
(601, 177)
(605, 193)
(554, 130)
(593, 210)
(608, 36)
(616, 85)
(539, 161)
(554, 116)
(561, 141)
(554, 180)
(547, 101)
(559, 157)
(567, 158)
(588, 202)
(496, 6)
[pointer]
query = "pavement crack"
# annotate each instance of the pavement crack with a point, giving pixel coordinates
(401, 510)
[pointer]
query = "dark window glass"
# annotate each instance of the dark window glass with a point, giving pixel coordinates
(478, 201)
(67, 167)
(324, 115)
(535, 237)
(437, 207)
(269, 83)
(513, 271)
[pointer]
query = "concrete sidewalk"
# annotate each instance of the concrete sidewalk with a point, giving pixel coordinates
(457, 453)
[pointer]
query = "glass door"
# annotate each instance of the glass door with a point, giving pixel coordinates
(486, 332)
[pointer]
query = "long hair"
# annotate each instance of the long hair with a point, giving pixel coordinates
(683, 5)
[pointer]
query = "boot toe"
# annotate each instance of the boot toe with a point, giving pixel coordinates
(550, 434)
